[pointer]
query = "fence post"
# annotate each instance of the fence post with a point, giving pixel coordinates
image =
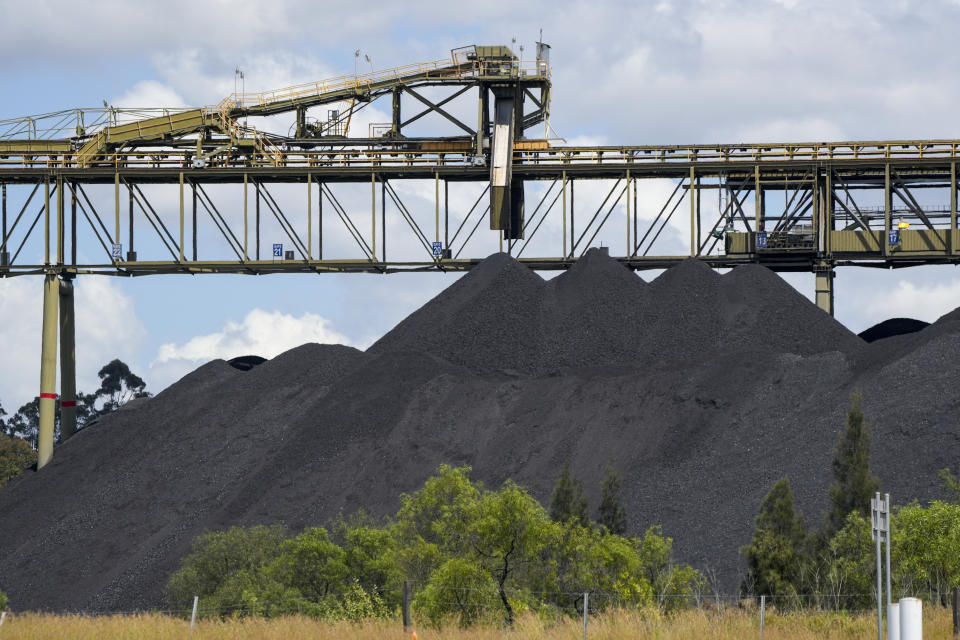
(956, 612)
(763, 608)
(406, 606)
(3, 614)
(586, 607)
(193, 618)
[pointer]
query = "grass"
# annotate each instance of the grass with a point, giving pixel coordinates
(617, 625)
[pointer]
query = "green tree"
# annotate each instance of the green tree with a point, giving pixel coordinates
(3, 601)
(471, 550)
(118, 385)
(224, 566)
(25, 423)
(460, 588)
(593, 559)
(850, 578)
(312, 564)
(674, 584)
(356, 605)
(926, 549)
(951, 483)
(370, 555)
(854, 484)
(568, 500)
(432, 523)
(509, 530)
(775, 555)
(925, 554)
(16, 455)
(612, 514)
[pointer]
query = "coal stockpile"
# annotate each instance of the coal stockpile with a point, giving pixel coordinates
(702, 389)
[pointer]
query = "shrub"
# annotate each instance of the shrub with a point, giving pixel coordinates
(223, 565)
(16, 455)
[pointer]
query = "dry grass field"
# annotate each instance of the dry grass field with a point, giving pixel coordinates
(623, 625)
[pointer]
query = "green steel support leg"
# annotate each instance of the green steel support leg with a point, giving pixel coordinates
(48, 371)
(68, 366)
(824, 287)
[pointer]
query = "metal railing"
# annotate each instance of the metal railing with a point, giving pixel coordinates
(75, 123)
(606, 156)
(369, 81)
(752, 153)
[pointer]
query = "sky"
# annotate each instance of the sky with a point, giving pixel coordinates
(623, 73)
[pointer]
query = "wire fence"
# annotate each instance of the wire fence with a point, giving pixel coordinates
(598, 601)
(588, 606)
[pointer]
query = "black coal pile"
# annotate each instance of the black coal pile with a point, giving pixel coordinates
(703, 389)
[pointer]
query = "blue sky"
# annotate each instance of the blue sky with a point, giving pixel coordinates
(624, 73)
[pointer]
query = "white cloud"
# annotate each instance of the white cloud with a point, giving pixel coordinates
(921, 301)
(263, 333)
(784, 130)
(149, 93)
(107, 327)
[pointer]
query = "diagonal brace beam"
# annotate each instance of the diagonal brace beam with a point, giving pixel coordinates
(431, 108)
(909, 200)
(435, 107)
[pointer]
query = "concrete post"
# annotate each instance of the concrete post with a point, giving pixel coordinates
(48, 371)
(824, 287)
(911, 619)
(68, 363)
(586, 612)
(893, 620)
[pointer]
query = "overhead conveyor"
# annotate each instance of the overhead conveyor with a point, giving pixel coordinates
(210, 128)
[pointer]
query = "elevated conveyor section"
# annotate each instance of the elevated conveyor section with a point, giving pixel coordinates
(345, 88)
(183, 123)
(470, 65)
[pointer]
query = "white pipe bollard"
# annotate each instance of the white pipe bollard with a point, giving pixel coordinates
(586, 606)
(763, 611)
(2, 616)
(893, 621)
(193, 618)
(911, 619)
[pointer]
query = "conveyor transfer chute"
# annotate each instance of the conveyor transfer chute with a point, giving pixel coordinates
(506, 195)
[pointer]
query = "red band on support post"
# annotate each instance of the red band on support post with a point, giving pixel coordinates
(68, 403)
(52, 396)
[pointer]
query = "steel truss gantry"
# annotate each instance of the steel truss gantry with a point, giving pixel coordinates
(192, 191)
(819, 222)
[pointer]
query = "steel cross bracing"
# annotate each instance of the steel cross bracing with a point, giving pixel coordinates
(820, 217)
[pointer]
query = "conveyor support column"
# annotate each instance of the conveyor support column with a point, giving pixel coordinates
(48, 370)
(824, 275)
(68, 371)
